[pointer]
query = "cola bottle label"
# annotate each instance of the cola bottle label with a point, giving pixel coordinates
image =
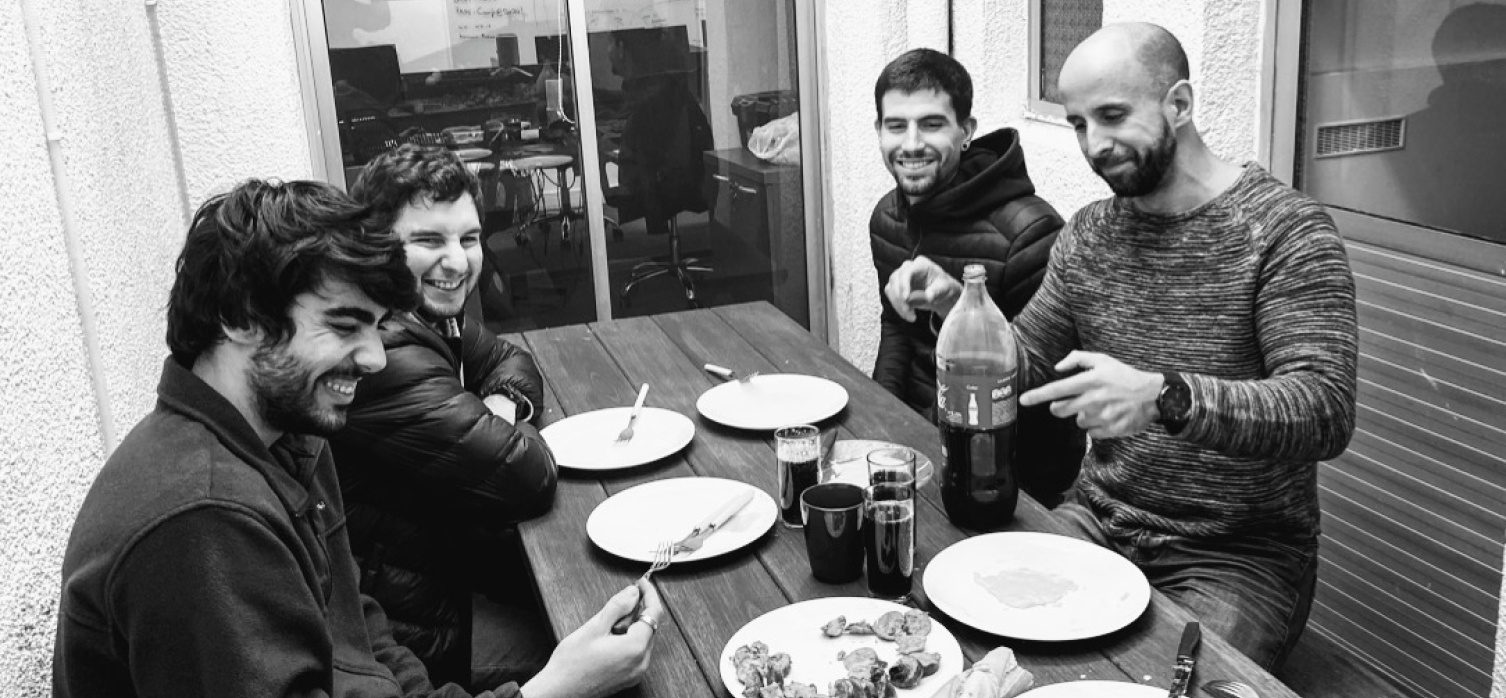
(979, 402)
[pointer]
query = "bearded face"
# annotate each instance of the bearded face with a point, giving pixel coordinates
(1133, 171)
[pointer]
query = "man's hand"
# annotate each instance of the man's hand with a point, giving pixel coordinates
(921, 284)
(502, 406)
(592, 662)
(1108, 398)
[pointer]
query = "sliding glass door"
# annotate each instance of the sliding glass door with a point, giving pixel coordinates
(636, 156)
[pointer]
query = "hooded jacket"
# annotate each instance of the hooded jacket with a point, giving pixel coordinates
(428, 472)
(205, 563)
(988, 214)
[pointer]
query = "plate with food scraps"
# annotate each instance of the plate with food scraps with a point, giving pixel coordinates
(1036, 586)
(849, 462)
(1095, 689)
(807, 647)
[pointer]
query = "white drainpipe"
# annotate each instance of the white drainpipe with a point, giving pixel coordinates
(62, 186)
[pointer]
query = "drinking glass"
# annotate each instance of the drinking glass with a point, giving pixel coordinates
(889, 539)
(892, 464)
(833, 514)
(798, 449)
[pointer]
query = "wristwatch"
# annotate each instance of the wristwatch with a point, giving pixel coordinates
(1174, 403)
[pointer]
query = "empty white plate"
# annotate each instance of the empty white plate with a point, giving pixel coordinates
(631, 523)
(1036, 586)
(587, 441)
(768, 402)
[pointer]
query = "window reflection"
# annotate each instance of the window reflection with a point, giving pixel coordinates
(680, 88)
(1403, 112)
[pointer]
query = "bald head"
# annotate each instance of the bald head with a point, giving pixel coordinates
(1136, 55)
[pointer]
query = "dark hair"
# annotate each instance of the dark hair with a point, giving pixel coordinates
(923, 69)
(411, 173)
(252, 251)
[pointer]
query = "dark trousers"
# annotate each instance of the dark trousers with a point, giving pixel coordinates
(1253, 592)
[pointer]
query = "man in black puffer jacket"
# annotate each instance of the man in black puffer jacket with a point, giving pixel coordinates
(960, 201)
(440, 457)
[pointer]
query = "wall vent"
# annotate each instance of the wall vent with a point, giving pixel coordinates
(1356, 137)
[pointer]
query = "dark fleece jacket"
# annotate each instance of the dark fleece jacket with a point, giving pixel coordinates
(988, 214)
(204, 563)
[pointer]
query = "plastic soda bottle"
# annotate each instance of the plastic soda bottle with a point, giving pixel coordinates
(977, 368)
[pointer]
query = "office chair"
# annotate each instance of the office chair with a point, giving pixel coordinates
(661, 172)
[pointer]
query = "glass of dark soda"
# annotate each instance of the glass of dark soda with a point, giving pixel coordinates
(798, 448)
(889, 539)
(893, 464)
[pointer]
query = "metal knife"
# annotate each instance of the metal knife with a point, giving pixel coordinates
(711, 524)
(1183, 676)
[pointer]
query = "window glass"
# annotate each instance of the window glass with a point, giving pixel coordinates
(1401, 112)
(696, 116)
(1063, 25)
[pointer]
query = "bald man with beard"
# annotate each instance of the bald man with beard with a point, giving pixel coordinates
(1200, 325)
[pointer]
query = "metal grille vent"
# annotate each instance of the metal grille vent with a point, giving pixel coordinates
(1353, 138)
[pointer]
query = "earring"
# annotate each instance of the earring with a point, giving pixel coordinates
(965, 144)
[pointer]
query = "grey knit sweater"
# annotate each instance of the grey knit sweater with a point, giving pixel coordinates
(1250, 297)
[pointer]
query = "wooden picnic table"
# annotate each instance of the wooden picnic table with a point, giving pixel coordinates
(599, 365)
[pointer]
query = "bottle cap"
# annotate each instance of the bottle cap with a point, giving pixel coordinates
(973, 271)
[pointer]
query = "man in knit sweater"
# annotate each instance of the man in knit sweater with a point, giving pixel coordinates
(1200, 325)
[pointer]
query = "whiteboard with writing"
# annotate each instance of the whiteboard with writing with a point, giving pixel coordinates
(487, 19)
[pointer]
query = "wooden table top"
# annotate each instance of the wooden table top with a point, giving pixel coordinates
(588, 367)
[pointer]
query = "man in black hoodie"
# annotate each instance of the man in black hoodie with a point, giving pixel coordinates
(959, 201)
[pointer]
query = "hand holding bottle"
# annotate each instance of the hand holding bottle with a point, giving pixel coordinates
(921, 284)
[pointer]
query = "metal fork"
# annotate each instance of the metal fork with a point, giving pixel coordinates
(730, 374)
(1224, 688)
(626, 434)
(664, 553)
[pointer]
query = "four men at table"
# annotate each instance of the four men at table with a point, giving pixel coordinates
(1200, 325)
(211, 557)
(440, 456)
(959, 200)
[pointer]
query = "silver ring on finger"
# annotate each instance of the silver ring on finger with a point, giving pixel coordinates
(653, 625)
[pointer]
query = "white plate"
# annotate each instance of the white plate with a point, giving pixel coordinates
(849, 461)
(1095, 689)
(768, 402)
(796, 631)
(1036, 586)
(632, 522)
(587, 441)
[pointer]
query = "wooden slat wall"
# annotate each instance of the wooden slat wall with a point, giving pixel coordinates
(1414, 513)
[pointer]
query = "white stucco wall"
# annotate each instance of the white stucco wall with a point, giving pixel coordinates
(236, 112)
(991, 38)
(49, 442)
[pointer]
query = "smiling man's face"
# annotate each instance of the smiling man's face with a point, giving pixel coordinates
(921, 140)
(442, 241)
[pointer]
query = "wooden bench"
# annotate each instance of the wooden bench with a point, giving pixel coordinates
(1319, 667)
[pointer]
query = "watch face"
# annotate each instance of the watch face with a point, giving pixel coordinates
(1175, 400)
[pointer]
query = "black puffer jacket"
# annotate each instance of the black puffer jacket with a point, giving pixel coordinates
(427, 471)
(988, 214)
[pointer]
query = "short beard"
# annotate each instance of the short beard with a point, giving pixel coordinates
(284, 394)
(1150, 170)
